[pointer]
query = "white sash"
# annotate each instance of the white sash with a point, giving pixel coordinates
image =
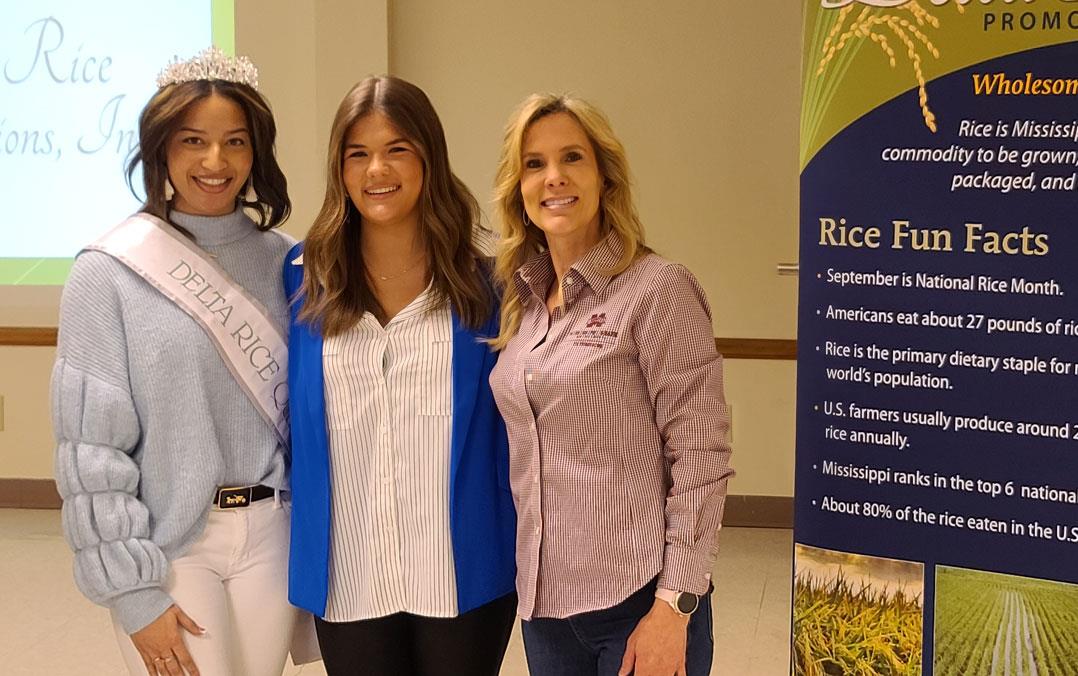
(238, 325)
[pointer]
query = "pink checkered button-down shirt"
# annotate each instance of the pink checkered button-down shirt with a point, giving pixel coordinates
(617, 433)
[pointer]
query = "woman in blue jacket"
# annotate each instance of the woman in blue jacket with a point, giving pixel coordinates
(402, 524)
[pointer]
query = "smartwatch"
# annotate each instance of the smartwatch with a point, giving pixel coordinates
(683, 603)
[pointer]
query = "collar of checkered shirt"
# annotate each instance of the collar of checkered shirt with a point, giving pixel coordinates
(535, 276)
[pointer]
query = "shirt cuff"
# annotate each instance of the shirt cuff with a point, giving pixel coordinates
(682, 571)
(136, 609)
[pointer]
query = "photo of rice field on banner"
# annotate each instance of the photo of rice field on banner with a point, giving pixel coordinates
(856, 614)
(990, 623)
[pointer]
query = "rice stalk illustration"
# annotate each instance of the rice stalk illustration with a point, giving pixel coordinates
(890, 29)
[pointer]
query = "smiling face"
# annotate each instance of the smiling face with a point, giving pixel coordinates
(383, 172)
(560, 181)
(209, 157)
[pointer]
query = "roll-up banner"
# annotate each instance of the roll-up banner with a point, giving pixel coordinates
(937, 429)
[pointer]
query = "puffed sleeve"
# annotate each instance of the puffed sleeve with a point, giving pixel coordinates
(96, 427)
(684, 379)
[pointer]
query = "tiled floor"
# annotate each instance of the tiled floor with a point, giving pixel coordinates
(48, 628)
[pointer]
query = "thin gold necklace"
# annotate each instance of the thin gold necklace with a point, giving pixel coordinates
(401, 273)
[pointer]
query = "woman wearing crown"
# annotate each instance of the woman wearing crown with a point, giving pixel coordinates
(169, 402)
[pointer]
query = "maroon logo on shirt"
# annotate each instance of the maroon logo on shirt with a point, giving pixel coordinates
(596, 321)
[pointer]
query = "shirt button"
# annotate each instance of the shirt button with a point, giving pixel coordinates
(568, 281)
(529, 377)
(538, 530)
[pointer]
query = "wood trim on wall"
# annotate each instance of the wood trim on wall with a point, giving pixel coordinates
(759, 511)
(742, 511)
(37, 336)
(757, 348)
(731, 348)
(29, 494)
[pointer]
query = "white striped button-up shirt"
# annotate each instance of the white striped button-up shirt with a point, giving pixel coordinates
(388, 403)
(617, 433)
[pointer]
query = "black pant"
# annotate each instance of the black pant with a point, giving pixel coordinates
(472, 644)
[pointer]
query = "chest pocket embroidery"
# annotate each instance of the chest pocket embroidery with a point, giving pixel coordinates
(593, 334)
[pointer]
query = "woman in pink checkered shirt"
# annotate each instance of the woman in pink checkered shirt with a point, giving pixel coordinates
(611, 390)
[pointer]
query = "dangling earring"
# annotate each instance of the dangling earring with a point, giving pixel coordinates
(170, 192)
(524, 217)
(250, 196)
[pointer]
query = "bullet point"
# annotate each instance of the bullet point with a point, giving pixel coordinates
(817, 312)
(815, 408)
(814, 467)
(817, 348)
(819, 276)
(814, 503)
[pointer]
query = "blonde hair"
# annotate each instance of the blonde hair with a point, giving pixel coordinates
(521, 241)
(335, 291)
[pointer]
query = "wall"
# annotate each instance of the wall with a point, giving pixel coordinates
(704, 94)
(309, 52)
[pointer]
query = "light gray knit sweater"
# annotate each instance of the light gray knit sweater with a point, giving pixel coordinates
(149, 422)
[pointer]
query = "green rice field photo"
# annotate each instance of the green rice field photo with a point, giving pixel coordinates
(856, 615)
(990, 624)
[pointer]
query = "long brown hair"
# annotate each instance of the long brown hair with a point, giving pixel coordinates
(163, 116)
(519, 240)
(336, 291)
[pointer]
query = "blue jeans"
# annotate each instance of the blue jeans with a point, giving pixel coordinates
(593, 643)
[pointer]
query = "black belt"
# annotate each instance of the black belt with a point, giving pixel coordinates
(241, 496)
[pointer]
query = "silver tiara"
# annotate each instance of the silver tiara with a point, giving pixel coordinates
(210, 64)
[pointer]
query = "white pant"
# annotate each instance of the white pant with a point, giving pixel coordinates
(233, 582)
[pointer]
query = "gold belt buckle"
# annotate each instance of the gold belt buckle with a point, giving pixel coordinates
(230, 498)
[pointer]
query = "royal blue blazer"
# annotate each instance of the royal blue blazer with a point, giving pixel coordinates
(482, 519)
